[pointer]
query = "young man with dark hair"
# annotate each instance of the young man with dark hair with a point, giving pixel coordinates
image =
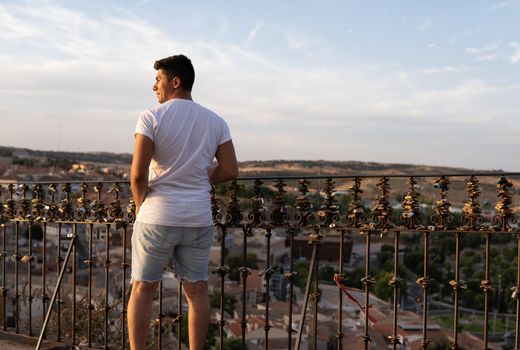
(171, 175)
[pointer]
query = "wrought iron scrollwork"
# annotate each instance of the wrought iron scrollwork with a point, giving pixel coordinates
(38, 204)
(356, 211)
(53, 211)
(97, 205)
(411, 216)
(279, 214)
(131, 209)
(24, 208)
(382, 210)
(303, 205)
(66, 207)
(233, 215)
(3, 218)
(504, 217)
(83, 203)
(115, 210)
(442, 217)
(257, 215)
(329, 210)
(215, 209)
(472, 218)
(10, 203)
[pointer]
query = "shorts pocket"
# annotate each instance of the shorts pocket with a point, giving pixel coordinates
(150, 237)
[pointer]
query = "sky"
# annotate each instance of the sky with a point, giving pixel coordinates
(417, 82)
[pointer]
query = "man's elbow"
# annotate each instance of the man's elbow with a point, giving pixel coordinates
(138, 178)
(234, 173)
(231, 173)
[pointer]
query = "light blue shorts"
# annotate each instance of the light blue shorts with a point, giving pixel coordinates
(153, 245)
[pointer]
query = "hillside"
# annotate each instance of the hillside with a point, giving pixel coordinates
(96, 157)
(25, 161)
(326, 167)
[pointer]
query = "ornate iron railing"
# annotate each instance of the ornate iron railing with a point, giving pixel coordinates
(38, 220)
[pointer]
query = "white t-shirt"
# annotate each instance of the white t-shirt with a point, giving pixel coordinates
(185, 136)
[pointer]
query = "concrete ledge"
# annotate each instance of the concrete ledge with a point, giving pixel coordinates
(10, 341)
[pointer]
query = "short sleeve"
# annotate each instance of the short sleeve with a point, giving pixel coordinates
(225, 135)
(146, 125)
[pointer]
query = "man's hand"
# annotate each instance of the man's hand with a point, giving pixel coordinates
(143, 152)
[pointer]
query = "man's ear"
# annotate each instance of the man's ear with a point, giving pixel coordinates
(176, 82)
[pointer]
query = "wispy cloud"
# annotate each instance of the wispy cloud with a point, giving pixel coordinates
(441, 70)
(296, 39)
(515, 57)
(488, 57)
(254, 32)
(479, 50)
(11, 27)
(212, 20)
(426, 24)
(484, 53)
(464, 34)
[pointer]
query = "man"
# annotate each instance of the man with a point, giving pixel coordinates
(175, 144)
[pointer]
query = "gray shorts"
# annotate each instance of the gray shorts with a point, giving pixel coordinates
(153, 245)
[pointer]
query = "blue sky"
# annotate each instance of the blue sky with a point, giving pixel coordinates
(387, 81)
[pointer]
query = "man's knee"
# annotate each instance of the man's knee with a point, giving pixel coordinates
(194, 289)
(144, 288)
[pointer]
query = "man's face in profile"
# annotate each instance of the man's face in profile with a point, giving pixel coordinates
(163, 86)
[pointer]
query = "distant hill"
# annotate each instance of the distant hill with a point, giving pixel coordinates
(326, 167)
(96, 157)
(269, 167)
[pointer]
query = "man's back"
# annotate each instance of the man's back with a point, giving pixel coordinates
(186, 137)
(175, 144)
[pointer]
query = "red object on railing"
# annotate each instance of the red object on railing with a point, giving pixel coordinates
(345, 290)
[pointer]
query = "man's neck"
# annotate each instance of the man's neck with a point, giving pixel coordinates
(182, 95)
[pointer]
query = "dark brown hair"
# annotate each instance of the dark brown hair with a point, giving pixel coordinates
(178, 66)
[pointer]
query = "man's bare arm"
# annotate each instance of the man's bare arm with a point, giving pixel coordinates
(143, 152)
(227, 167)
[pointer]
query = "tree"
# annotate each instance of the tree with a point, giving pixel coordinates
(414, 260)
(383, 290)
(353, 278)
(234, 263)
(385, 257)
(302, 269)
(229, 302)
(232, 344)
(326, 273)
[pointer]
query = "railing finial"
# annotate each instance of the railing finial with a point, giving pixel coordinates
(329, 210)
(504, 217)
(472, 218)
(356, 211)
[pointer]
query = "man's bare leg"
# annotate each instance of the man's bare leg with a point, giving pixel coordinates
(139, 313)
(198, 312)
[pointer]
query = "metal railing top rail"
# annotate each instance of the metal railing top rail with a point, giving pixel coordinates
(352, 176)
(296, 177)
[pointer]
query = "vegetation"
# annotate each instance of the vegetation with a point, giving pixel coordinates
(234, 263)
(232, 344)
(97, 157)
(229, 302)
